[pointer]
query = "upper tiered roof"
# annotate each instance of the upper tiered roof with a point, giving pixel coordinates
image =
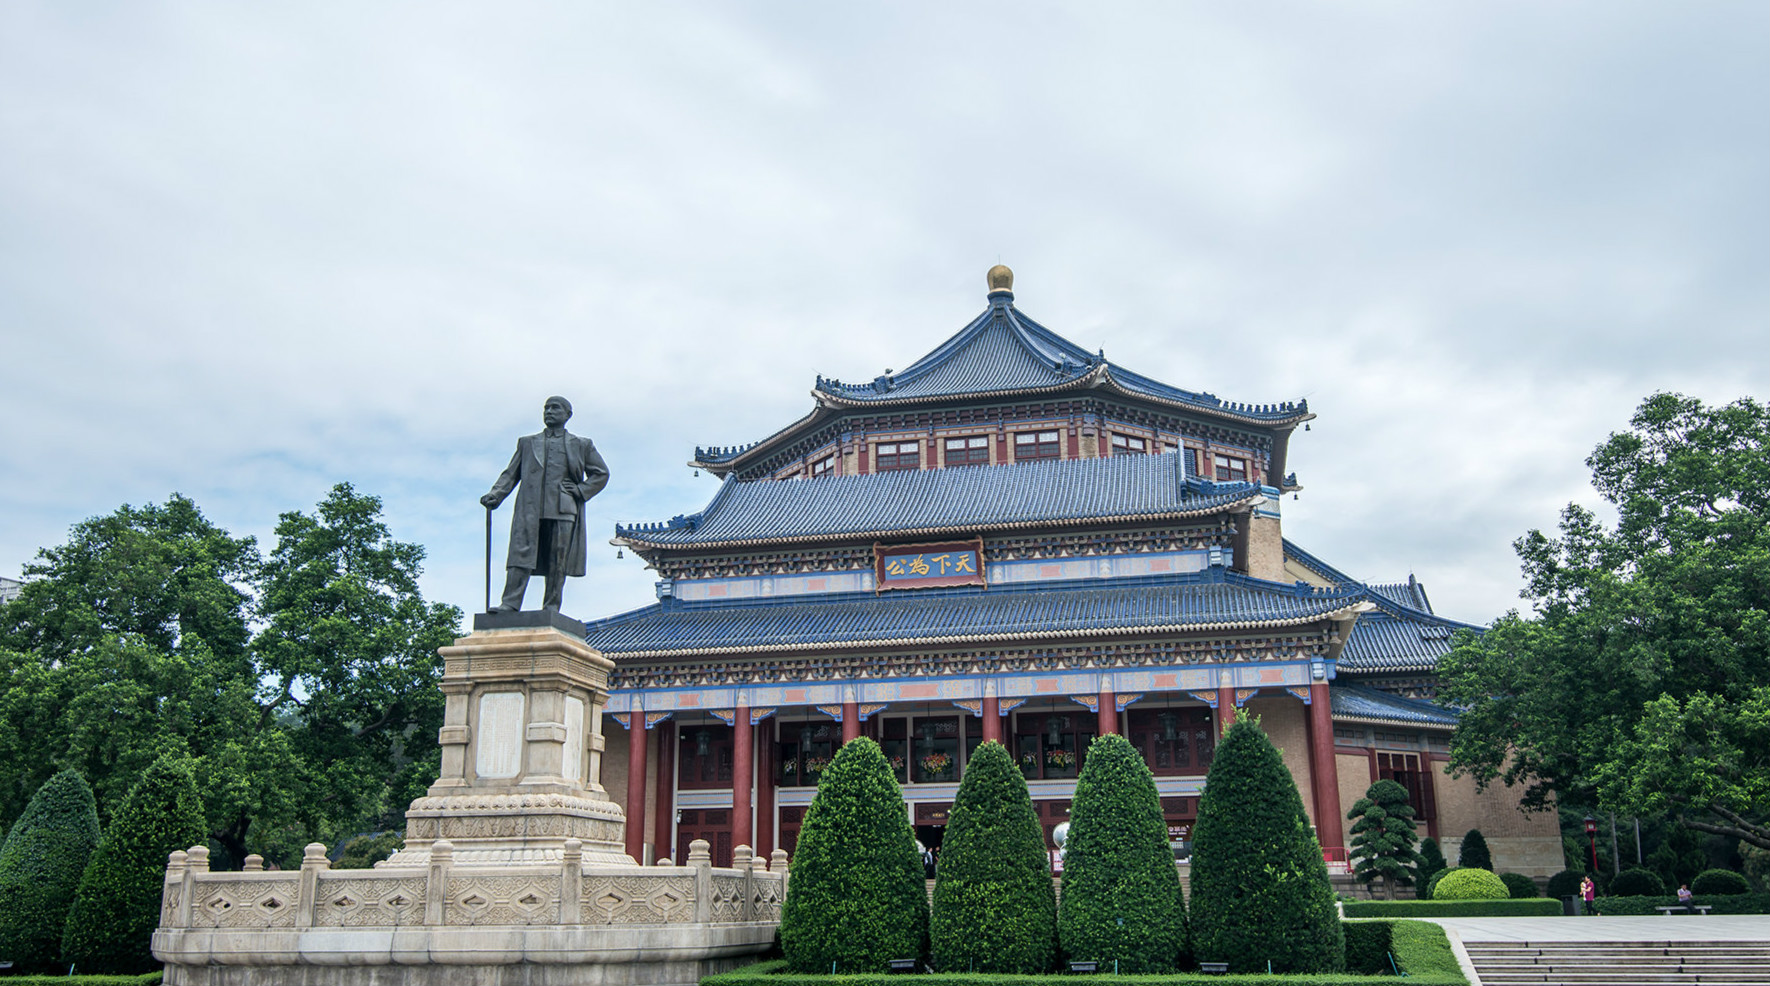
(1004, 354)
(1400, 634)
(927, 502)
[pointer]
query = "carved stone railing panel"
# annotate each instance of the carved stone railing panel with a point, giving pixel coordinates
(369, 901)
(728, 898)
(502, 900)
(226, 900)
(649, 899)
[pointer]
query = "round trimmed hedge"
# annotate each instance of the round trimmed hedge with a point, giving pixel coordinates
(1637, 882)
(857, 897)
(1566, 883)
(1470, 883)
(994, 907)
(1260, 889)
(40, 869)
(1520, 886)
(1121, 891)
(1720, 883)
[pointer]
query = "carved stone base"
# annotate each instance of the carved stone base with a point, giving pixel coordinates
(513, 828)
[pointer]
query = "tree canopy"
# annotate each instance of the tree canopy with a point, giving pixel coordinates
(1640, 681)
(301, 687)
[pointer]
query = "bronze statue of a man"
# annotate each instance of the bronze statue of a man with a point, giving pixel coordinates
(557, 471)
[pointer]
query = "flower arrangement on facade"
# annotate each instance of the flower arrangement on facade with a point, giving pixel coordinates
(896, 764)
(1060, 758)
(935, 763)
(816, 765)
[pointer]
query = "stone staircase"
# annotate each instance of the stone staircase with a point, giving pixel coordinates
(1613, 963)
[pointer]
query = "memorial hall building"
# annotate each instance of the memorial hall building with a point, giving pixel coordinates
(1016, 539)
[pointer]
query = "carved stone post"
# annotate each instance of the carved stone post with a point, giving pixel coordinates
(313, 860)
(743, 860)
(700, 857)
(180, 913)
(436, 883)
(571, 882)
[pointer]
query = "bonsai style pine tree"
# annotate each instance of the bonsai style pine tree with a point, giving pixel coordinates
(1259, 886)
(994, 908)
(1474, 852)
(40, 869)
(857, 897)
(1383, 837)
(118, 904)
(1121, 893)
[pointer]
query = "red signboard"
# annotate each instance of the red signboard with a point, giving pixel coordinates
(920, 566)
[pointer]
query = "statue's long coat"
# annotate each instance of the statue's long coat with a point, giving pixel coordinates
(582, 465)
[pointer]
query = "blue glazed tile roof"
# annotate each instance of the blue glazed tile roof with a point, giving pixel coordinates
(1211, 599)
(1002, 350)
(931, 501)
(1401, 634)
(1358, 702)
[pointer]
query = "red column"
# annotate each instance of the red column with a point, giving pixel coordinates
(743, 746)
(850, 721)
(765, 771)
(1109, 712)
(992, 719)
(665, 820)
(1323, 770)
(636, 785)
(1225, 709)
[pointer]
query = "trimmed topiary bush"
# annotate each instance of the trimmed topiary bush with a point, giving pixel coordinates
(1260, 890)
(1720, 883)
(994, 907)
(857, 897)
(1432, 862)
(40, 868)
(117, 906)
(1121, 893)
(1565, 884)
(1637, 882)
(1470, 883)
(1520, 886)
(1383, 837)
(1368, 944)
(1473, 852)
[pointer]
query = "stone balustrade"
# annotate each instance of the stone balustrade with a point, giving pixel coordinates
(446, 895)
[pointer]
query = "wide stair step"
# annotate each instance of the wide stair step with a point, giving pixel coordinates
(1657, 963)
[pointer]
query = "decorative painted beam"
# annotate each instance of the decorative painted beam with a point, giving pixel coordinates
(1092, 702)
(1209, 698)
(971, 705)
(727, 716)
(653, 718)
(833, 711)
(1124, 700)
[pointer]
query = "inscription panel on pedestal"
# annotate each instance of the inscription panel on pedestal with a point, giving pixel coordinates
(573, 767)
(499, 752)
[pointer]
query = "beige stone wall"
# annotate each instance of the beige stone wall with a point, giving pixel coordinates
(1355, 779)
(1520, 842)
(614, 762)
(1266, 549)
(1282, 719)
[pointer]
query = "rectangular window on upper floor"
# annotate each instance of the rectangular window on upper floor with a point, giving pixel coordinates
(1231, 469)
(825, 466)
(1030, 445)
(897, 455)
(971, 450)
(1129, 444)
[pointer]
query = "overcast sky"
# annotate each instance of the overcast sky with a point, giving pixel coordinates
(248, 251)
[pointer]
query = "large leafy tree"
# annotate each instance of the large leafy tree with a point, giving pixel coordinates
(1640, 681)
(136, 640)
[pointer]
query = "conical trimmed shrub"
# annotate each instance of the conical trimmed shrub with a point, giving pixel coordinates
(994, 907)
(1431, 862)
(1474, 852)
(1121, 893)
(40, 869)
(857, 897)
(1260, 890)
(117, 907)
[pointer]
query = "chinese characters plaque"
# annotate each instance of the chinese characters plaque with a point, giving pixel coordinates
(920, 566)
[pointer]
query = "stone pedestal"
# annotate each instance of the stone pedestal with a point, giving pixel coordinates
(521, 751)
(512, 874)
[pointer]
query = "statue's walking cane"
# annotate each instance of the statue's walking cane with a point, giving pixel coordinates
(488, 559)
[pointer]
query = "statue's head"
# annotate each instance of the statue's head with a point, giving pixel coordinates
(556, 412)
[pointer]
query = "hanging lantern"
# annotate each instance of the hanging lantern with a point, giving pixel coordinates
(1169, 723)
(703, 741)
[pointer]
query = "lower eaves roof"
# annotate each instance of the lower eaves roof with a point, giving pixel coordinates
(1369, 704)
(1210, 600)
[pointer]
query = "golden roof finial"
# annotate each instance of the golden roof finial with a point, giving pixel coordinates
(1000, 279)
